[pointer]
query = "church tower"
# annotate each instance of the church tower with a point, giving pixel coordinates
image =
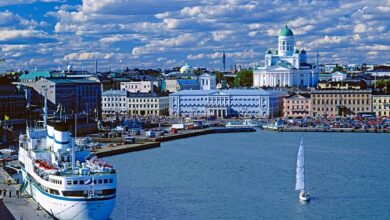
(286, 42)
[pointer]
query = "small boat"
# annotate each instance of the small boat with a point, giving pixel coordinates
(300, 176)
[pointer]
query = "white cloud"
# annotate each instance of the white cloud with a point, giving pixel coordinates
(151, 33)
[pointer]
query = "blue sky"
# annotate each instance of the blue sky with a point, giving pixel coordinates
(168, 33)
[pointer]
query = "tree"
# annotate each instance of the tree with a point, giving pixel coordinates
(338, 69)
(219, 76)
(244, 78)
(197, 72)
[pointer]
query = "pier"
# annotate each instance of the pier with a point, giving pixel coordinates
(120, 149)
(145, 143)
(193, 133)
(14, 207)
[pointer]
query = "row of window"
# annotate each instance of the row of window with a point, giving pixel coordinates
(136, 86)
(298, 107)
(130, 100)
(82, 182)
(380, 107)
(331, 109)
(340, 95)
(219, 99)
(298, 101)
(345, 102)
(379, 100)
(133, 106)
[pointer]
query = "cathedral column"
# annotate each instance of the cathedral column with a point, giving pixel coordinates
(274, 80)
(289, 79)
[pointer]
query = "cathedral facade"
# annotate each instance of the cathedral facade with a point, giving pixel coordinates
(286, 66)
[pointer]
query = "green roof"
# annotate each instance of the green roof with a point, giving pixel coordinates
(285, 32)
(35, 75)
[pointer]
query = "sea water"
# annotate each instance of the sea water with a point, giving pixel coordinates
(252, 176)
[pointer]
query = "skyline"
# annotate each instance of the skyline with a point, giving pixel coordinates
(169, 33)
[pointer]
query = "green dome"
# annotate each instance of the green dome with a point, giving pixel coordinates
(285, 32)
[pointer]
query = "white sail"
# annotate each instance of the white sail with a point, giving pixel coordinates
(300, 177)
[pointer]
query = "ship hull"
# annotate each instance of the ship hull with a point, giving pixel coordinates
(70, 208)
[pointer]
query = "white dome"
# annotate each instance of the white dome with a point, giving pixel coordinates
(186, 69)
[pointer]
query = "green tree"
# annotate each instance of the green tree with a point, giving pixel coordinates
(244, 78)
(338, 69)
(229, 81)
(198, 72)
(219, 76)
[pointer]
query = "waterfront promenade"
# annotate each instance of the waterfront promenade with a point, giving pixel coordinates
(17, 208)
(144, 142)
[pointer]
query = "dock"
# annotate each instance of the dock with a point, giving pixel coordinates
(120, 149)
(193, 133)
(144, 143)
(13, 207)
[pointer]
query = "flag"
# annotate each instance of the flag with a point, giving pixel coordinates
(6, 117)
(89, 181)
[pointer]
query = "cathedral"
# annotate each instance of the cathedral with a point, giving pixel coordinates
(286, 66)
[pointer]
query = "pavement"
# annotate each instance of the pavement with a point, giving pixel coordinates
(18, 208)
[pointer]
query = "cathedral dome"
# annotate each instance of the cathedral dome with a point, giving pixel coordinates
(303, 51)
(286, 32)
(186, 69)
(269, 51)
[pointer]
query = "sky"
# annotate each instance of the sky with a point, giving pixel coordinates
(52, 34)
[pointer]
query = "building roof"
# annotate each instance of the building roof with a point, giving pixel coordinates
(302, 95)
(71, 81)
(338, 73)
(60, 81)
(146, 94)
(35, 75)
(187, 82)
(286, 31)
(115, 93)
(132, 94)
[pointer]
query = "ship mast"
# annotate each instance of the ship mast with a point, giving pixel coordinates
(74, 143)
(45, 115)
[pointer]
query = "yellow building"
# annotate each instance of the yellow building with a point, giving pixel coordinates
(340, 102)
(381, 105)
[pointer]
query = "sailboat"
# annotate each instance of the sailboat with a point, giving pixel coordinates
(300, 177)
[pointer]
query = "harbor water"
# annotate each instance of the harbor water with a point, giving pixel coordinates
(252, 176)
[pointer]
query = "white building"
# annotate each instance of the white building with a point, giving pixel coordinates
(207, 82)
(137, 86)
(122, 102)
(338, 76)
(287, 66)
(224, 103)
(174, 85)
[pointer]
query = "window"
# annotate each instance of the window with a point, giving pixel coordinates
(81, 182)
(73, 193)
(100, 181)
(75, 182)
(111, 180)
(105, 180)
(69, 182)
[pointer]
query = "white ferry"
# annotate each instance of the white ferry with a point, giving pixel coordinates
(63, 178)
(244, 124)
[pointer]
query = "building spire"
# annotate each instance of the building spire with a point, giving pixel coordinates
(285, 23)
